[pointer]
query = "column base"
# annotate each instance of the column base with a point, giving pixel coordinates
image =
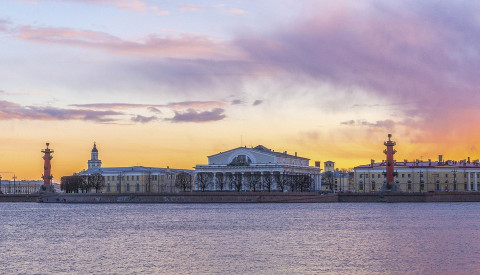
(46, 189)
(390, 187)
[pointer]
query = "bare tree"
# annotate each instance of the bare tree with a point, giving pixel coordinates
(282, 180)
(267, 181)
(203, 180)
(327, 177)
(229, 180)
(96, 181)
(183, 181)
(257, 181)
(71, 184)
(237, 181)
(85, 184)
(220, 181)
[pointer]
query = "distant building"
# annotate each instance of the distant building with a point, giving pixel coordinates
(245, 169)
(134, 179)
(329, 166)
(338, 181)
(421, 176)
(20, 187)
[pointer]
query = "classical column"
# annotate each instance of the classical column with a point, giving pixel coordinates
(243, 181)
(214, 181)
(469, 186)
(475, 186)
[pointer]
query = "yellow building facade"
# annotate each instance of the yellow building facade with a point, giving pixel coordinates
(421, 176)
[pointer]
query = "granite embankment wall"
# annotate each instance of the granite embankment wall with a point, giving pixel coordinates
(250, 197)
(196, 197)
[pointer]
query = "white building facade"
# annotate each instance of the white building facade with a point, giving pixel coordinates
(257, 169)
(134, 179)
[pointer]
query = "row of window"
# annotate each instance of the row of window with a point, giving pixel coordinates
(153, 177)
(408, 175)
(422, 187)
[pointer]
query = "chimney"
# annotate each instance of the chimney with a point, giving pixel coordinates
(405, 161)
(372, 161)
(296, 154)
(317, 163)
(429, 162)
(285, 152)
(417, 161)
(440, 158)
(468, 159)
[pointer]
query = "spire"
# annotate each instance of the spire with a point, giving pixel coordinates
(94, 147)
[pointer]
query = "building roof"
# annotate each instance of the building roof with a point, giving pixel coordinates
(134, 169)
(262, 149)
(426, 164)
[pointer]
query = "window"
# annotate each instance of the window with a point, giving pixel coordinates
(464, 176)
(403, 175)
(138, 177)
(373, 186)
(378, 176)
(438, 187)
(446, 175)
(118, 187)
(360, 186)
(137, 187)
(409, 187)
(128, 187)
(409, 176)
(108, 187)
(422, 187)
(421, 175)
(366, 176)
(127, 177)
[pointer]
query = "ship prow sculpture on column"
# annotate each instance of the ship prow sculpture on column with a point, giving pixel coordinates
(47, 169)
(390, 185)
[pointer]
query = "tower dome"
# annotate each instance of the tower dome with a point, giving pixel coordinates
(94, 162)
(94, 147)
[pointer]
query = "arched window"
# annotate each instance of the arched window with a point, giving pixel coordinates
(241, 160)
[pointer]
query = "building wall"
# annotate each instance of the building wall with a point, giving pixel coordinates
(423, 179)
(139, 181)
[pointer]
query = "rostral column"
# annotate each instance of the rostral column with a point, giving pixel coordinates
(47, 176)
(390, 185)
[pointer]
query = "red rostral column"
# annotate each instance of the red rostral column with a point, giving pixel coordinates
(47, 177)
(390, 164)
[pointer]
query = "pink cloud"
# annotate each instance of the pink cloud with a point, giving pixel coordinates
(424, 58)
(236, 11)
(191, 8)
(183, 46)
(133, 5)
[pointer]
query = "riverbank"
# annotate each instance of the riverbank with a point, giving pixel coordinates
(250, 197)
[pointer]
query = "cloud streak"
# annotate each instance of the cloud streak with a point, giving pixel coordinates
(192, 115)
(185, 46)
(10, 110)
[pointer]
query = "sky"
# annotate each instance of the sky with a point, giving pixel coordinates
(168, 83)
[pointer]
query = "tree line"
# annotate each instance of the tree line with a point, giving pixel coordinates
(292, 182)
(82, 183)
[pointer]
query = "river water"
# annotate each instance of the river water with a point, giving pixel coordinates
(338, 238)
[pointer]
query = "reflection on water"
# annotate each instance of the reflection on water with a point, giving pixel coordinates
(423, 238)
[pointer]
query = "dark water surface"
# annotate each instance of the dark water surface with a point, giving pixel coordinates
(406, 238)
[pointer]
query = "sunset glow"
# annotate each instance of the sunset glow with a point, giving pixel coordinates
(167, 83)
